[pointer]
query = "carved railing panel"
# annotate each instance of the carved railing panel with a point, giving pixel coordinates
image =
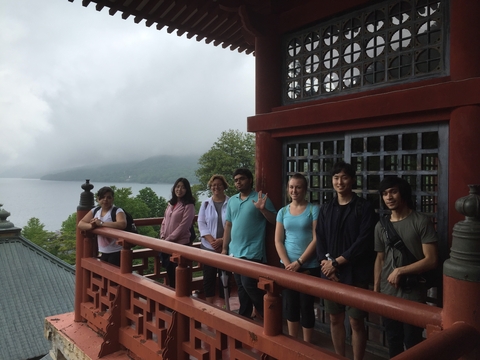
(155, 321)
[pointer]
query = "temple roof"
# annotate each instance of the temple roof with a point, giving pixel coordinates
(34, 285)
(230, 23)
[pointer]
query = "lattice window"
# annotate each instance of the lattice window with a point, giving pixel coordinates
(315, 159)
(388, 42)
(414, 154)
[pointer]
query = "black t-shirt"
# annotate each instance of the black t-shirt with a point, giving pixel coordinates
(337, 216)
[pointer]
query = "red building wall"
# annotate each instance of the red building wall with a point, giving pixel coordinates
(454, 99)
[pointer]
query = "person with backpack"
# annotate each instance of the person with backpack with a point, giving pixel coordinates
(105, 215)
(406, 245)
(211, 222)
(177, 222)
(344, 249)
(295, 241)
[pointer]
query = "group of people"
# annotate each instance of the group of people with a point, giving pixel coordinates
(344, 242)
(336, 241)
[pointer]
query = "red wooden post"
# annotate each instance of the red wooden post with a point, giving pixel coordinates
(464, 55)
(88, 247)
(268, 151)
(85, 205)
(125, 257)
(272, 307)
(183, 287)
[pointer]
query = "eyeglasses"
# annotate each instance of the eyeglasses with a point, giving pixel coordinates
(240, 178)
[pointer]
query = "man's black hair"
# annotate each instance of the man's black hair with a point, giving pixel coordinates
(403, 187)
(340, 166)
(244, 172)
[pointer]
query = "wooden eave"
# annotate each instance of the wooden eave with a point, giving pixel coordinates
(231, 24)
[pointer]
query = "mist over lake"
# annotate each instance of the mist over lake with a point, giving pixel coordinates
(53, 201)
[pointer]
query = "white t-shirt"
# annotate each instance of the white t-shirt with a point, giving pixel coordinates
(107, 245)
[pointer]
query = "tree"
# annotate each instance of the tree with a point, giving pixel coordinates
(232, 150)
(156, 204)
(66, 241)
(146, 204)
(36, 233)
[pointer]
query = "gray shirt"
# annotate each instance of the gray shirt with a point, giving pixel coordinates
(416, 229)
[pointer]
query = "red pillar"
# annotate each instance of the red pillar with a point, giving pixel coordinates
(464, 43)
(268, 167)
(464, 123)
(463, 170)
(268, 70)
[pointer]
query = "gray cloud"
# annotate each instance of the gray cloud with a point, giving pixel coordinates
(80, 87)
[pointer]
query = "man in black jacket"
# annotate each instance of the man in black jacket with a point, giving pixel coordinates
(344, 249)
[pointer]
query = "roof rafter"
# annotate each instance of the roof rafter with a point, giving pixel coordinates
(232, 24)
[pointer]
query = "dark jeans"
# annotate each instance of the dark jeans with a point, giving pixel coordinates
(400, 334)
(170, 267)
(210, 279)
(249, 295)
(112, 258)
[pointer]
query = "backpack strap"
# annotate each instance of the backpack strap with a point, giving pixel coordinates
(395, 241)
(310, 205)
(113, 213)
(95, 210)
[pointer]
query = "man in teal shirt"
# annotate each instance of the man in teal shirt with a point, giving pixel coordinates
(244, 236)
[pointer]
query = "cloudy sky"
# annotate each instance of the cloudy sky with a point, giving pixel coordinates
(78, 87)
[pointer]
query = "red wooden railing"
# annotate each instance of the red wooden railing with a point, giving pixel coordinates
(153, 321)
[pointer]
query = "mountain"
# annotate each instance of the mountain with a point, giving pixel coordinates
(158, 169)
(19, 171)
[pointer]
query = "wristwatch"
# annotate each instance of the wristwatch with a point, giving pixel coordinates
(101, 223)
(334, 263)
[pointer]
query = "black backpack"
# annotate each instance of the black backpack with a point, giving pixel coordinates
(130, 224)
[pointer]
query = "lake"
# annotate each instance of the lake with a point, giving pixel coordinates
(53, 201)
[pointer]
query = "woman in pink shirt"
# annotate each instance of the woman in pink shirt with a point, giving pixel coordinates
(177, 221)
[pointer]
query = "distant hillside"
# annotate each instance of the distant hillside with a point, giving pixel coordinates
(158, 169)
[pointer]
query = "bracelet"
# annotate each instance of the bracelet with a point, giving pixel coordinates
(300, 261)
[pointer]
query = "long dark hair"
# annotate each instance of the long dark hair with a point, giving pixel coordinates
(188, 198)
(404, 189)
